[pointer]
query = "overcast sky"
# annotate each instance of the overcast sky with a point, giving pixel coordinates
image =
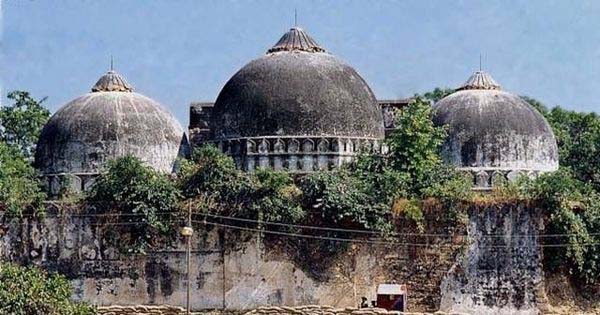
(182, 51)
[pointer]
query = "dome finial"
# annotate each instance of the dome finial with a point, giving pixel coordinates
(295, 17)
(112, 82)
(480, 80)
(296, 39)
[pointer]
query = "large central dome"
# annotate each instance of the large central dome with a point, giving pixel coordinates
(296, 89)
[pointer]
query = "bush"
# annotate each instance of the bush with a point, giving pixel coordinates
(20, 187)
(573, 209)
(341, 199)
(31, 291)
(275, 197)
(213, 182)
(414, 146)
(145, 200)
(22, 122)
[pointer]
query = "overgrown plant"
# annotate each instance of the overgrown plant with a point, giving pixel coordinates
(20, 188)
(143, 201)
(32, 291)
(22, 122)
(414, 146)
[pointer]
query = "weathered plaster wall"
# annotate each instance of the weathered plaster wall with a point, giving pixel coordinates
(251, 274)
(244, 276)
(501, 271)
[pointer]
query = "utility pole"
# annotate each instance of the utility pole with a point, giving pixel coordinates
(187, 232)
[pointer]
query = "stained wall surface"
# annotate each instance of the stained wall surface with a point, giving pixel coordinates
(246, 271)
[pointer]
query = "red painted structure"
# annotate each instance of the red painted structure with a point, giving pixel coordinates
(392, 297)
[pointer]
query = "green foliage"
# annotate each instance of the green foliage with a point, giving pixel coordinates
(341, 199)
(218, 187)
(437, 94)
(22, 122)
(539, 106)
(139, 196)
(31, 291)
(212, 178)
(414, 146)
(578, 136)
(275, 197)
(574, 216)
(19, 186)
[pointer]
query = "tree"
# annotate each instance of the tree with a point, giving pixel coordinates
(437, 94)
(142, 198)
(414, 146)
(539, 106)
(577, 135)
(19, 185)
(275, 197)
(212, 179)
(32, 291)
(22, 122)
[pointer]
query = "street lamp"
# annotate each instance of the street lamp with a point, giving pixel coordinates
(187, 232)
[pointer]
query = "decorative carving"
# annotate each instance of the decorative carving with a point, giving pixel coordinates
(323, 145)
(250, 146)
(388, 116)
(263, 147)
(235, 147)
(335, 145)
(308, 145)
(279, 146)
(308, 163)
(482, 179)
(293, 146)
(513, 175)
(295, 154)
(497, 178)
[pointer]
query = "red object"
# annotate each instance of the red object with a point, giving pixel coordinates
(392, 297)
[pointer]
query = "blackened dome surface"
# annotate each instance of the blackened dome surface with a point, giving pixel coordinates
(490, 128)
(298, 90)
(103, 125)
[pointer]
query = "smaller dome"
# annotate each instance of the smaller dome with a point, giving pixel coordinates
(109, 122)
(493, 130)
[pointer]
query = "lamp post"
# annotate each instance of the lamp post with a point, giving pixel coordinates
(187, 232)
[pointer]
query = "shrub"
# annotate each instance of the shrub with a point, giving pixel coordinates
(22, 122)
(341, 199)
(573, 209)
(414, 145)
(31, 291)
(146, 200)
(20, 187)
(212, 179)
(275, 197)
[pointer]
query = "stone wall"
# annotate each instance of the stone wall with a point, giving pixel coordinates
(501, 271)
(243, 271)
(268, 310)
(228, 270)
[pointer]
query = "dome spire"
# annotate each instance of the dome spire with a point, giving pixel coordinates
(296, 40)
(480, 80)
(112, 82)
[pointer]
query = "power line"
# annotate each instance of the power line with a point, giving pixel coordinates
(374, 241)
(312, 227)
(383, 241)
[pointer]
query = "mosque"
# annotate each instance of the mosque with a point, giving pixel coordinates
(297, 108)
